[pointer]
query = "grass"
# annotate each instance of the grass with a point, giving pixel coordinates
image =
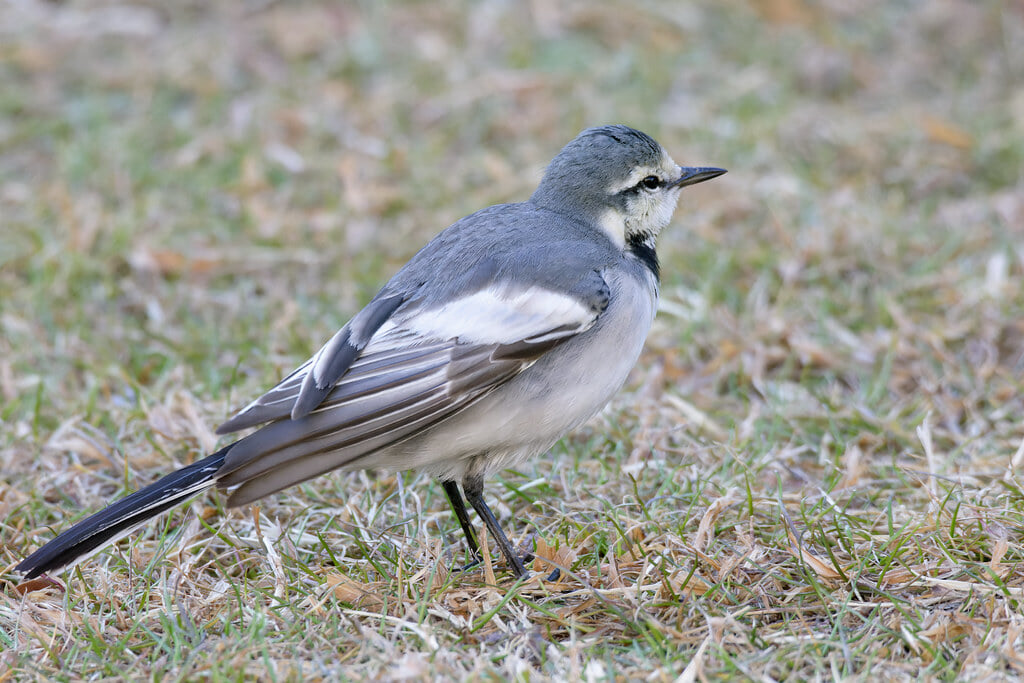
(814, 473)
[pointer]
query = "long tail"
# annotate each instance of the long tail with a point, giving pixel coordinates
(111, 523)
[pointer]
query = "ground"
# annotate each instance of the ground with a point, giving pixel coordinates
(813, 473)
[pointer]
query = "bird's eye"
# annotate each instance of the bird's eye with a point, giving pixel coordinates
(651, 182)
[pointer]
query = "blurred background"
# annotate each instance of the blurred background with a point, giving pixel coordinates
(194, 196)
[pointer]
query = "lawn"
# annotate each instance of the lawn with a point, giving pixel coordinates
(815, 471)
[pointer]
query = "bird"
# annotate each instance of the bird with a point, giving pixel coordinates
(510, 328)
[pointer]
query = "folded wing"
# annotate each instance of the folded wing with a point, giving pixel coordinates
(422, 365)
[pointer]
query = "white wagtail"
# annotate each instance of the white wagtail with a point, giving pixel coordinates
(510, 328)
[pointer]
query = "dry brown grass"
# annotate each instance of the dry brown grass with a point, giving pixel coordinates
(815, 472)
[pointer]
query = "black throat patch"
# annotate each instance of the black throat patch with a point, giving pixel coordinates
(643, 248)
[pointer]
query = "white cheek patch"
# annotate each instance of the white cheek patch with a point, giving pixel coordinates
(663, 210)
(495, 315)
(653, 215)
(613, 223)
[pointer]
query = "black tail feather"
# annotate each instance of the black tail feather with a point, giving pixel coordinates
(115, 521)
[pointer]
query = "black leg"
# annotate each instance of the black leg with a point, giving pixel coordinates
(459, 508)
(474, 490)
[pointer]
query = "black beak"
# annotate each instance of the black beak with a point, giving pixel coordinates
(694, 175)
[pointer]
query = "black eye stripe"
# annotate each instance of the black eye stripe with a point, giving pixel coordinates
(649, 183)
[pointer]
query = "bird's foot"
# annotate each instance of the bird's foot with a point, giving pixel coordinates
(525, 559)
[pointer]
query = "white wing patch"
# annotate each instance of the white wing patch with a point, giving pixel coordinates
(494, 315)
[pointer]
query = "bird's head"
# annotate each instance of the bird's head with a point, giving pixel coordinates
(620, 179)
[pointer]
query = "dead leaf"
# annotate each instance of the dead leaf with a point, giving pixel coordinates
(946, 133)
(996, 563)
(714, 511)
(170, 262)
(353, 592)
(485, 552)
(39, 583)
(547, 558)
(823, 569)
(784, 11)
